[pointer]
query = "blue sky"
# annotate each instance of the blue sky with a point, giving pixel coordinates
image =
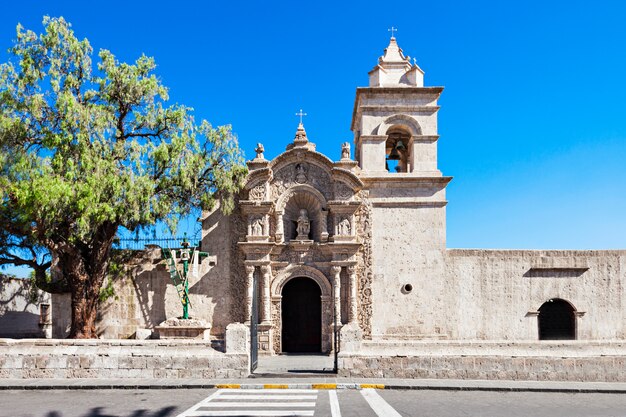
(533, 117)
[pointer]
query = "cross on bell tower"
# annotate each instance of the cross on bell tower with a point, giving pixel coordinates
(300, 113)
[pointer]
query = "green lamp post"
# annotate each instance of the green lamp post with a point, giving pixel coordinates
(181, 283)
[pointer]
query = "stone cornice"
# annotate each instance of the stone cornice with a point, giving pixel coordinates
(344, 207)
(255, 207)
(349, 176)
(390, 90)
(402, 108)
(256, 247)
(407, 180)
(257, 176)
(408, 203)
(425, 138)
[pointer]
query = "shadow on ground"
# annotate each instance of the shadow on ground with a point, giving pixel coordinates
(99, 412)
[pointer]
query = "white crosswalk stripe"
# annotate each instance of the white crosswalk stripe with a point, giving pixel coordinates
(380, 406)
(256, 402)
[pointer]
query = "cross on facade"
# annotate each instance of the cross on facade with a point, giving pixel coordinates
(392, 30)
(300, 114)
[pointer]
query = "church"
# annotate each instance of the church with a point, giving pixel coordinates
(350, 256)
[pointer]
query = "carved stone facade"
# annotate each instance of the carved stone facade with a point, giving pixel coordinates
(304, 227)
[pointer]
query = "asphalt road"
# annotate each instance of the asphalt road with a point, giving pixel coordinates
(326, 403)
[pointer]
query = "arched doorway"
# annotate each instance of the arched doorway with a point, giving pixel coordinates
(557, 320)
(301, 316)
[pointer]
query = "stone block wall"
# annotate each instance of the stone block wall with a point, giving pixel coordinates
(555, 361)
(117, 359)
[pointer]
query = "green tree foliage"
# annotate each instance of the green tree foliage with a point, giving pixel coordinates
(85, 151)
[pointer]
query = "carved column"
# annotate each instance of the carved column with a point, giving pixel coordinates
(266, 275)
(336, 270)
(324, 226)
(280, 233)
(250, 291)
(353, 315)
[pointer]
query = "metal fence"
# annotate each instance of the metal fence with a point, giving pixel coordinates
(164, 242)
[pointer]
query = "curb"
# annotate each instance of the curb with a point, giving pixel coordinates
(318, 386)
(321, 386)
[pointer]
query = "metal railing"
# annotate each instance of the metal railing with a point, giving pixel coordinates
(164, 242)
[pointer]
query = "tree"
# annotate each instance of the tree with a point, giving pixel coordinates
(85, 151)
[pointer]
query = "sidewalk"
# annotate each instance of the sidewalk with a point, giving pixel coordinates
(322, 382)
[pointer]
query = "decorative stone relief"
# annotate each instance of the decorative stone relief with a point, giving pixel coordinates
(276, 325)
(257, 193)
(343, 192)
(363, 226)
(290, 175)
(300, 173)
(312, 254)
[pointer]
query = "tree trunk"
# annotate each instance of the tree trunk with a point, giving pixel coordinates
(85, 268)
(84, 313)
(85, 290)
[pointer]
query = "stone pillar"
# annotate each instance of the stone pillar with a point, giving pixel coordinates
(250, 291)
(336, 271)
(353, 315)
(280, 232)
(324, 225)
(266, 275)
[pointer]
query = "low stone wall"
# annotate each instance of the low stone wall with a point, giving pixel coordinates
(545, 361)
(44, 358)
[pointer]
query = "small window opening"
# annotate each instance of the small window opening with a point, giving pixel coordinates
(44, 313)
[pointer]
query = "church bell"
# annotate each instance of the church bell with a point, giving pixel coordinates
(394, 155)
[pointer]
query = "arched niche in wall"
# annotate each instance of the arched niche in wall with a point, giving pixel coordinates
(557, 320)
(291, 204)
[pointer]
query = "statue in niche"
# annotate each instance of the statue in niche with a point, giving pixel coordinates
(257, 226)
(344, 227)
(301, 174)
(345, 150)
(304, 225)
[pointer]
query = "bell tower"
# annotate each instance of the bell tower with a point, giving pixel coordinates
(394, 122)
(395, 119)
(395, 134)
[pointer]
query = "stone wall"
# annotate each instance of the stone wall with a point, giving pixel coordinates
(545, 361)
(406, 249)
(462, 294)
(495, 294)
(20, 308)
(117, 359)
